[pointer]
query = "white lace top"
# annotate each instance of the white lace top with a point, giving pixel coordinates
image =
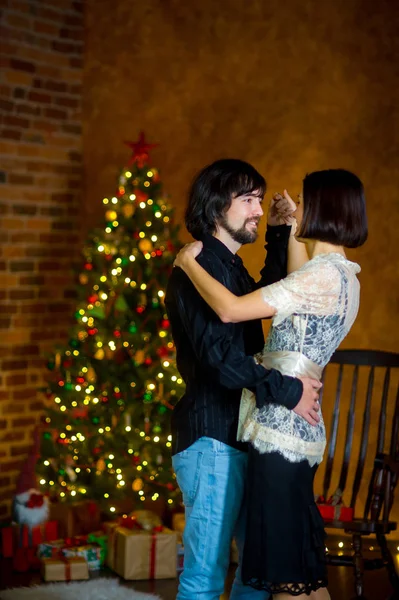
(316, 307)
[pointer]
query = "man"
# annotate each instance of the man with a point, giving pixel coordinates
(216, 361)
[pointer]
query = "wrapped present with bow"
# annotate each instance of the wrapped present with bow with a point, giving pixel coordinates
(334, 509)
(136, 553)
(64, 569)
(80, 518)
(90, 552)
(54, 548)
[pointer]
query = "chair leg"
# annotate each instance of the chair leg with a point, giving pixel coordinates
(389, 563)
(358, 563)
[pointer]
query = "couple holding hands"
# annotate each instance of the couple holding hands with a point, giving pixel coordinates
(248, 434)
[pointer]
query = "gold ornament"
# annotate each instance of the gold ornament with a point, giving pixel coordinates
(99, 355)
(128, 210)
(83, 278)
(91, 375)
(145, 245)
(100, 465)
(139, 357)
(137, 485)
(147, 519)
(111, 215)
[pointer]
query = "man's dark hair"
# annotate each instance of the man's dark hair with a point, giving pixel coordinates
(334, 208)
(214, 188)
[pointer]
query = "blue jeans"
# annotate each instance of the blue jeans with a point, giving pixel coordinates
(211, 476)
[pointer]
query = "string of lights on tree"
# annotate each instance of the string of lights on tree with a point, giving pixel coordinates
(107, 422)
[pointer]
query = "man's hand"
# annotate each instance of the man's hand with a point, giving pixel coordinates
(308, 406)
(281, 210)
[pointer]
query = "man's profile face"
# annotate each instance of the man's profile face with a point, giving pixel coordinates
(242, 219)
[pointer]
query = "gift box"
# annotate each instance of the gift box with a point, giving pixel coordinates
(20, 536)
(99, 538)
(334, 509)
(139, 554)
(91, 553)
(80, 518)
(54, 549)
(64, 569)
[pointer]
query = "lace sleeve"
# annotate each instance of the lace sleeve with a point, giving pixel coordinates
(313, 289)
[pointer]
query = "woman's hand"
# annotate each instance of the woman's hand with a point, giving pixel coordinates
(281, 210)
(187, 253)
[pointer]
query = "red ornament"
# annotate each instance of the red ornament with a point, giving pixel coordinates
(35, 500)
(141, 196)
(163, 351)
(165, 323)
(136, 235)
(92, 299)
(148, 361)
(140, 151)
(104, 399)
(117, 333)
(135, 460)
(92, 331)
(80, 379)
(67, 364)
(170, 486)
(96, 450)
(158, 252)
(88, 266)
(140, 309)
(108, 257)
(117, 395)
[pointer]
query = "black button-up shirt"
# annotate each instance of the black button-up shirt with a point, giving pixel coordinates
(215, 359)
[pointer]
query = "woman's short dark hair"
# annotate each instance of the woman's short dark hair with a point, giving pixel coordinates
(214, 188)
(334, 208)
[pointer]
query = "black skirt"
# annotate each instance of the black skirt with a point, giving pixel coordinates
(285, 539)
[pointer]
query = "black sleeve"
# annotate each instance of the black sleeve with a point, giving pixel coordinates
(212, 343)
(275, 267)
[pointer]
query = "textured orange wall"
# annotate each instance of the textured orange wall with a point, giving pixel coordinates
(289, 86)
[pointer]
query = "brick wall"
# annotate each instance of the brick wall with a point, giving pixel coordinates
(40, 199)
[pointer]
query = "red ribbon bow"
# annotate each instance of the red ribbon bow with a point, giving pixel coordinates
(35, 501)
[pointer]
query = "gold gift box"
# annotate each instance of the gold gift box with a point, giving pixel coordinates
(68, 569)
(136, 554)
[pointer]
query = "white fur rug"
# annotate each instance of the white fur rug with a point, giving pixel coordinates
(96, 589)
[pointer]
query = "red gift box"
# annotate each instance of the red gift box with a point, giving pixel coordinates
(19, 536)
(334, 509)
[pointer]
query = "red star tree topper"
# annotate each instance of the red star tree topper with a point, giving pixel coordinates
(140, 151)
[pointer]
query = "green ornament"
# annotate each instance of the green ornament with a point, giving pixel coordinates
(97, 312)
(132, 328)
(157, 429)
(50, 365)
(95, 420)
(68, 386)
(125, 261)
(61, 472)
(121, 303)
(162, 409)
(47, 435)
(74, 343)
(155, 303)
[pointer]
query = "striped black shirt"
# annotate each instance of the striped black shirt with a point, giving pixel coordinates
(215, 359)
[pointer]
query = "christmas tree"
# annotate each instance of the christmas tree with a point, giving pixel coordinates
(112, 387)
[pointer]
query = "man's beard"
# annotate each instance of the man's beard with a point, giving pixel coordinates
(241, 235)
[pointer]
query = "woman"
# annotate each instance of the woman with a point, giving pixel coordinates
(313, 309)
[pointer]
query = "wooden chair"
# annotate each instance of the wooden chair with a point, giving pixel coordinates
(384, 452)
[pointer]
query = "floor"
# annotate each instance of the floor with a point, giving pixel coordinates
(377, 586)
